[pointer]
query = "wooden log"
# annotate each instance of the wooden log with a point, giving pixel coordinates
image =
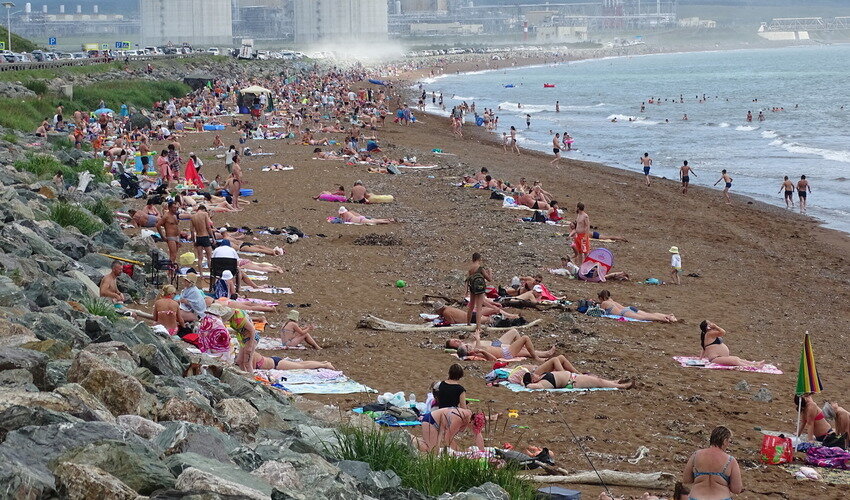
(655, 480)
(376, 323)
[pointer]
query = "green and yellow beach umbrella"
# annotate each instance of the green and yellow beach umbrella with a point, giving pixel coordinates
(808, 380)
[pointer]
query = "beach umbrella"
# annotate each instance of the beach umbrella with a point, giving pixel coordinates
(598, 256)
(103, 111)
(808, 380)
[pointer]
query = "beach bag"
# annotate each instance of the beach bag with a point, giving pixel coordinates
(477, 283)
(776, 450)
(495, 195)
(595, 311)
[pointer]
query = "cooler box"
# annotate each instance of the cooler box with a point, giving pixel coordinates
(558, 493)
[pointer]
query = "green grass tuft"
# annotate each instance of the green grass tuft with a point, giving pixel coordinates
(46, 166)
(103, 210)
(67, 215)
(99, 307)
(10, 137)
(37, 86)
(430, 474)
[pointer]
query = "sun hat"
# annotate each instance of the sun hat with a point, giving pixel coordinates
(187, 259)
(191, 278)
(438, 305)
(226, 315)
(293, 315)
(538, 288)
(218, 310)
(342, 210)
(227, 275)
(674, 249)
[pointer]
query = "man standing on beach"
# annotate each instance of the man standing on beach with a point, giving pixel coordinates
(201, 235)
(169, 229)
(646, 161)
(685, 174)
(802, 188)
(556, 148)
(581, 242)
(788, 187)
(527, 120)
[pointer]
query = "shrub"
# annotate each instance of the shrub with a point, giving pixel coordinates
(67, 215)
(102, 209)
(37, 86)
(430, 474)
(99, 307)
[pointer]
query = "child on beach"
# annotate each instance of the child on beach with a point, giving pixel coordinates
(675, 264)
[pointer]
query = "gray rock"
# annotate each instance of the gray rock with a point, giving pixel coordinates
(57, 372)
(238, 415)
(185, 437)
(182, 462)
(111, 237)
(33, 448)
(36, 244)
(354, 468)
(137, 466)
(192, 409)
(763, 395)
(11, 295)
(281, 475)
(17, 378)
(16, 417)
(490, 491)
(19, 482)
(742, 386)
(25, 359)
(51, 326)
(156, 360)
(83, 482)
(54, 349)
(195, 479)
(83, 404)
(373, 481)
(140, 426)
(13, 334)
(120, 393)
(65, 288)
(319, 440)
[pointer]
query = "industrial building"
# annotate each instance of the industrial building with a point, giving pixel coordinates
(319, 22)
(38, 22)
(196, 22)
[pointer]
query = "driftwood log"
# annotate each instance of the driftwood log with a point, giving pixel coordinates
(376, 323)
(655, 480)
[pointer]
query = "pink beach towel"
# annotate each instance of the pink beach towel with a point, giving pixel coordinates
(695, 362)
(336, 198)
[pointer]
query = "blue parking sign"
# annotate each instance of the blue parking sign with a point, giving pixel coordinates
(51, 40)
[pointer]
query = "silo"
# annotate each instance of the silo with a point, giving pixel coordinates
(196, 22)
(340, 21)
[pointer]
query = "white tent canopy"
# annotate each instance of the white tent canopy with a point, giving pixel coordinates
(256, 89)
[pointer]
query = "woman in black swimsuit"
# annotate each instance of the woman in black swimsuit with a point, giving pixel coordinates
(449, 393)
(715, 351)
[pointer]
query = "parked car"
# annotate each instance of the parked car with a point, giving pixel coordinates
(39, 56)
(263, 55)
(79, 55)
(214, 51)
(64, 56)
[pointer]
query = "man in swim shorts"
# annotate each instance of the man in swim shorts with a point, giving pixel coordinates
(202, 228)
(685, 172)
(169, 230)
(646, 161)
(788, 187)
(581, 242)
(802, 188)
(556, 148)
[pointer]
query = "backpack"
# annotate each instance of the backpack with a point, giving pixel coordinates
(495, 195)
(477, 283)
(538, 216)
(595, 311)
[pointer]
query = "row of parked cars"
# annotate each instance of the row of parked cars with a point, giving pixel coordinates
(46, 56)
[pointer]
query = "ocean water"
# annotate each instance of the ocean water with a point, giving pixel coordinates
(811, 136)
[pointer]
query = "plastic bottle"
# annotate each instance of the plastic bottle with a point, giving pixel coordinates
(411, 400)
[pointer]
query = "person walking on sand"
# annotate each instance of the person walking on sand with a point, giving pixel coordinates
(513, 143)
(685, 172)
(581, 241)
(803, 188)
(727, 179)
(476, 282)
(675, 264)
(556, 148)
(788, 187)
(646, 161)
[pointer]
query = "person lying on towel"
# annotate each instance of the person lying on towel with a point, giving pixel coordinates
(521, 347)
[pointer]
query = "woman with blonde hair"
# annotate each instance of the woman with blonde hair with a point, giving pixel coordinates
(291, 333)
(166, 310)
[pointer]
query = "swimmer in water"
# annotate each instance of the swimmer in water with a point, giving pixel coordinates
(724, 177)
(749, 116)
(788, 187)
(803, 188)
(685, 172)
(685, 118)
(646, 161)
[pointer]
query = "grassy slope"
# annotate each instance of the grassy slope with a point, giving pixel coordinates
(19, 44)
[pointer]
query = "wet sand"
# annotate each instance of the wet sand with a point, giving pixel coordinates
(766, 276)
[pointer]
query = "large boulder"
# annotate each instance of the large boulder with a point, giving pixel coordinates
(47, 400)
(14, 335)
(17, 379)
(26, 359)
(139, 467)
(188, 410)
(186, 437)
(32, 449)
(181, 462)
(239, 416)
(15, 417)
(83, 404)
(121, 393)
(52, 326)
(57, 372)
(194, 479)
(140, 426)
(157, 360)
(84, 482)
(11, 295)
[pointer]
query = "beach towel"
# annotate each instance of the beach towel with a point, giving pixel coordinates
(522, 388)
(511, 203)
(336, 198)
(251, 254)
(482, 358)
(618, 318)
(829, 476)
(378, 417)
(278, 169)
(192, 175)
(347, 387)
(337, 220)
(272, 289)
(274, 344)
(695, 362)
(317, 376)
(421, 167)
(255, 301)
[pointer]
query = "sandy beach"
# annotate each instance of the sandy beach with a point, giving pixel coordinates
(766, 275)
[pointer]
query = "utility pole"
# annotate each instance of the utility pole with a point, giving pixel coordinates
(9, 6)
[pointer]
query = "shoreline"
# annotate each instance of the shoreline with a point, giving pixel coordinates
(470, 128)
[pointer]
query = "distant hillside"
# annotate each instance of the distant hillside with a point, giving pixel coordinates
(18, 44)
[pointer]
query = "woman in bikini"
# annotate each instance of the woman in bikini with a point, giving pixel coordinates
(711, 473)
(614, 308)
(715, 351)
(354, 218)
(554, 375)
(166, 310)
(520, 347)
(813, 421)
(261, 362)
(476, 282)
(266, 267)
(291, 333)
(440, 427)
